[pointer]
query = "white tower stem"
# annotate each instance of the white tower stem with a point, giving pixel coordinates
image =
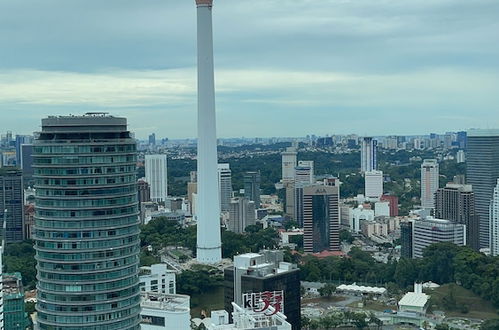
(208, 227)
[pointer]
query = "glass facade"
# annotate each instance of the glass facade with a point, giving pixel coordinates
(86, 224)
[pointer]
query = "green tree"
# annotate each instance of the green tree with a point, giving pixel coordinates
(327, 290)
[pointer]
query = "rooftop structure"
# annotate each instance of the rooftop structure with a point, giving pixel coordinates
(416, 301)
(165, 312)
(360, 289)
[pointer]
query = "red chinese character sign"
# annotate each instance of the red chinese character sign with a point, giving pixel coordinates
(261, 302)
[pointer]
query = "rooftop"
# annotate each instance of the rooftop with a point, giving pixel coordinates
(414, 299)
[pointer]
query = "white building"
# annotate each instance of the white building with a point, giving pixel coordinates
(241, 214)
(460, 156)
(429, 183)
(289, 164)
(430, 230)
(368, 161)
(157, 279)
(156, 176)
(415, 302)
(373, 184)
(165, 312)
(494, 222)
(382, 209)
(304, 172)
(224, 186)
(357, 215)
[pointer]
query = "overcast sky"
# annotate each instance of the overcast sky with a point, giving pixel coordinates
(282, 68)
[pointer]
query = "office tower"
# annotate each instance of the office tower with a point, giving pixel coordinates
(456, 202)
(241, 214)
(13, 302)
(431, 230)
(208, 200)
(252, 187)
(373, 184)
(11, 201)
(87, 224)
(460, 156)
(429, 183)
(157, 177)
(21, 140)
(288, 164)
(462, 139)
(144, 191)
(321, 219)
(394, 204)
(224, 186)
(260, 272)
(482, 172)
(406, 239)
(152, 139)
(368, 161)
(304, 172)
(494, 222)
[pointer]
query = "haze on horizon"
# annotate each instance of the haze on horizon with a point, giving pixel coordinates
(282, 68)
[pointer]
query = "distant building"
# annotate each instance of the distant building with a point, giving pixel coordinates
(368, 160)
(241, 214)
(144, 191)
(456, 202)
(414, 302)
(157, 278)
(224, 186)
(26, 158)
(11, 200)
(373, 184)
(431, 230)
(321, 219)
(357, 215)
(157, 176)
(258, 273)
(152, 139)
(14, 314)
(304, 172)
(161, 311)
(406, 239)
(494, 222)
(460, 157)
(482, 172)
(394, 204)
(429, 183)
(288, 164)
(192, 189)
(252, 187)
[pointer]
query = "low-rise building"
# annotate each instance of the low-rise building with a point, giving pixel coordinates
(165, 311)
(416, 302)
(158, 279)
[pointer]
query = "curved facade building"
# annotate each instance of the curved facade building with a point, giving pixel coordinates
(86, 224)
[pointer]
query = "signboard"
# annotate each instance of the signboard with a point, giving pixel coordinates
(261, 301)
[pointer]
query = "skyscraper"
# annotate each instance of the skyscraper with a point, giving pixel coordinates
(456, 202)
(208, 204)
(406, 239)
(252, 187)
(430, 231)
(373, 184)
(86, 224)
(482, 172)
(157, 176)
(494, 222)
(11, 200)
(288, 164)
(321, 219)
(429, 183)
(224, 186)
(241, 215)
(304, 172)
(368, 161)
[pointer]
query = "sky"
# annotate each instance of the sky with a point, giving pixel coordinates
(282, 68)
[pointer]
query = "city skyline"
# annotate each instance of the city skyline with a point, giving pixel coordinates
(275, 63)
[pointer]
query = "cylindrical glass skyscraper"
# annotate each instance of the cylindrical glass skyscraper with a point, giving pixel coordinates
(86, 224)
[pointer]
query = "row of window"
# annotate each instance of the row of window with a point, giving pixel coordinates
(74, 288)
(81, 149)
(87, 202)
(95, 266)
(77, 224)
(85, 170)
(43, 192)
(87, 298)
(101, 276)
(42, 234)
(85, 213)
(90, 244)
(83, 160)
(119, 316)
(99, 308)
(86, 181)
(83, 256)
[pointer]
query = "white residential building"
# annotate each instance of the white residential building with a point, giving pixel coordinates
(156, 176)
(374, 184)
(494, 222)
(224, 186)
(157, 279)
(429, 183)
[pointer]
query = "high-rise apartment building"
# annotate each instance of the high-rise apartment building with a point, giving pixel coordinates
(494, 222)
(456, 202)
(252, 187)
(321, 219)
(224, 186)
(373, 184)
(11, 201)
(241, 214)
(304, 172)
(429, 231)
(86, 224)
(157, 176)
(429, 183)
(264, 272)
(288, 164)
(482, 172)
(368, 161)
